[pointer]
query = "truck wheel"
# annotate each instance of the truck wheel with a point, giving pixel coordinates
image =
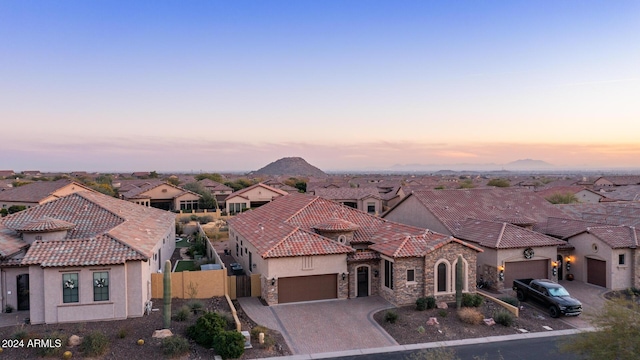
(554, 312)
(520, 295)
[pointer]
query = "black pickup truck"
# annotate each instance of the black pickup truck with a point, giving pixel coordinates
(550, 294)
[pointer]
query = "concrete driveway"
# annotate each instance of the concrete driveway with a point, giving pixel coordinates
(591, 297)
(323, 326)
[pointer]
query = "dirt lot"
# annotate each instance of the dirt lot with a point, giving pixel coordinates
(124, 334)
(406, 330)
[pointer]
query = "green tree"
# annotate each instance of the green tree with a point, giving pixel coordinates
(467, 184)
(499, 183)
(207, 201)
(173, 181)
(562, 198)
(617, 334)
(215, 177)
(239, 184)
(300, 184)
(15, 208)
(153, 175)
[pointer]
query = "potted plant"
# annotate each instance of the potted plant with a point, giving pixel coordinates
(570, 277)
(8, 308)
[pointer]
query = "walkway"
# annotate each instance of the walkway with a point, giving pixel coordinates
(321, 326)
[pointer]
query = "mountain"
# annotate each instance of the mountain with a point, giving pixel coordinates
(294, 166)
(528, 164)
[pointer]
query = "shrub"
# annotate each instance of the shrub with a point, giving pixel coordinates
(471, 300)
(510, 300)
(632, 291)
(206, 328)
(122, 333)
(442, 313)
(176, 345)
(20, 334)
(229, 344)
(193, 217)
(431, 302)
(53, 350)
(182, 314)
(94, 344)
(205, 219)
(228, 317)
(470, 316)
(256, 330)
(195, 306)
(391, 316)
(503, 317)
(8, 308)
(421, 304)
(421, 329)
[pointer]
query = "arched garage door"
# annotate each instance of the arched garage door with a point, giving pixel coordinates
(597, 272)
(307, 288)
(532, 269)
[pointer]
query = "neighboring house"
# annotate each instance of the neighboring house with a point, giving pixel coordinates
(449, 211)
(39, 192)
(309, 248)
(622, 193)
(363, 199)
(159, 194)
(616, 180)
(581, 193)
(83, 257)
(600, 254)
(6, 173)
(515, 251)
(251, 197)
(32, 173)
(219, 191)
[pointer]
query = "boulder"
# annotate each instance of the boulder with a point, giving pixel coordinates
(489, 322)
(442, 305)
(74, 340)
(161, 334)
(433, 321)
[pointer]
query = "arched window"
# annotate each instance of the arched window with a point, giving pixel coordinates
(441, 286)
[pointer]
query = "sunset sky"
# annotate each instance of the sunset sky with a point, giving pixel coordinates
(348, 85)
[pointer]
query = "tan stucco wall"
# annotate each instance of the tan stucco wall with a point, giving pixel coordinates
(29, 238)
(362, 204)
(412, 212)
(585, 196)
(159, 193)
(64, 191)
(9, 293)
(618, 276)
(292, 266)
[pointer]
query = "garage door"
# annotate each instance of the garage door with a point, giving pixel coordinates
(307, 288)
(534, 269)
(597, 272)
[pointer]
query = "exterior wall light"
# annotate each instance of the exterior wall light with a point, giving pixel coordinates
(555, 268)
(568, 262)
(273, 281)
(375, 273)
(501, 273)
(344, 276)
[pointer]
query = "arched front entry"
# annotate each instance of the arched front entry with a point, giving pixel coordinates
(362, 286)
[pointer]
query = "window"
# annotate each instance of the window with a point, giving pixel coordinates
(371, 208)
(237, 249)
(70, 288)
(388, 274)
(100, 286)
(38, 237)
(411, 275)
(442, 277)
(620, 259)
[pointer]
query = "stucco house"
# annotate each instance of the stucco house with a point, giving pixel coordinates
(219, 191)
(252, 197)
(364, 199)
(503, 221)
(581, 193)
(309, 248)
(83, 257)
(159, 194)
(39, 192)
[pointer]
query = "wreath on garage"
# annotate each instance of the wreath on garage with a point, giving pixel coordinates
(528, 253)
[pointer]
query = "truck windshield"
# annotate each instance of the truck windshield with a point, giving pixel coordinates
(558, 291)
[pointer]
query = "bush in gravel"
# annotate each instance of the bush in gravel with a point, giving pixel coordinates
(20, 334)
(510, 300)
(471, 300)
(176, 345)
(391, 316)
(421, 304)
(182, 314)
(256, 330)
(195, 306)
(229, 344)
(94, 344)
(503, 317)
(206, 328)
(470, 316)
(122, 333)
(228, 317)
(53, 350)
(442, 313)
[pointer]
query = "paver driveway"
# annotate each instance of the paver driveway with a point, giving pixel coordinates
(591, 297)
(324, 326)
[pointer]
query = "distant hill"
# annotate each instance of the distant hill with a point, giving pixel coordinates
(294, 166)
(528, 164)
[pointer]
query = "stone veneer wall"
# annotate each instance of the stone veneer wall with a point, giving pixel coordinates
(343, 287)
(374, 285)
(635, 271)
(449, 252)
(406, 293)
(269, 292)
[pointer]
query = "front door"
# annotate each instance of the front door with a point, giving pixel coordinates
(23, 291)
(363, 281)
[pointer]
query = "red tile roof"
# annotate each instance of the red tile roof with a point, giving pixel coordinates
(45, 224)
(337, 225)
(36, 191)
(267, 187)
(618, 237)
(452, 207)
(502, 235)
(564, 228)
(137, 228)
(280, 227)
(417, 246)
(363, 255)
(347, 193)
